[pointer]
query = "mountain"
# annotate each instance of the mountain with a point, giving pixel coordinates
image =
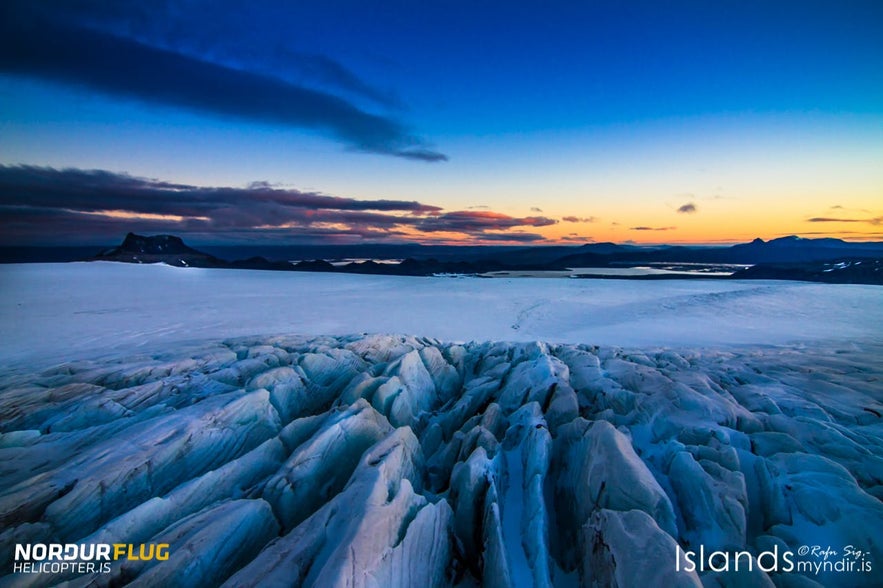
(795, 249)
(790, 249)
(157, 245)
(167, 249)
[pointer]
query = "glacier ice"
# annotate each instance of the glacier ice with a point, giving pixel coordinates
(386, 460)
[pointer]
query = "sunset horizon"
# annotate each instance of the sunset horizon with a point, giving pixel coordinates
(93, 207)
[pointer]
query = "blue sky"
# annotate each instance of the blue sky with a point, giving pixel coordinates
(515, 115)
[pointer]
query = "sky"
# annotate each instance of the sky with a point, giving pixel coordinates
(440, 121)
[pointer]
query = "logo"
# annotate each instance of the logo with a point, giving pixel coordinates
(723, 561)
(809, 559)
(82, 558)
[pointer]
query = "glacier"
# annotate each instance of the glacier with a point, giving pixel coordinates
(392, 460)
(272, 431)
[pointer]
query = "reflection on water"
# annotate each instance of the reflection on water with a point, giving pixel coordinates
(348, 260)
(650, 269)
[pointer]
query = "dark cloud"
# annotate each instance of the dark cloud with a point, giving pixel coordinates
(331, 73)
(36, 46)
(473, 221)
(579, 219)
(36, 226)
(39, 204)
(95, 202)
(688, 208)
(267, 45)
(516, 237)
(258, 184)
(652, 228)
(824, 219)
(828, 233)
(536, 209)
(97, 190)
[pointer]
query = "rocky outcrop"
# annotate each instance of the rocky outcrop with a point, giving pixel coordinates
(158, 249)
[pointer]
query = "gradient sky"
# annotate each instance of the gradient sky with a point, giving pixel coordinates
(440, 121)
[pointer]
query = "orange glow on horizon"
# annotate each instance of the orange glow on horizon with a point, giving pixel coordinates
(130, 215)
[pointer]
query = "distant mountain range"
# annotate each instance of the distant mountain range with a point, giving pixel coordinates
(783, 250)
(824, 260)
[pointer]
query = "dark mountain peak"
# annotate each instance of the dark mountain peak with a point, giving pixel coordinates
(155, 245)
(795, 241)
(758, 241)
(602, 248)
(158, 249)
(790, 240)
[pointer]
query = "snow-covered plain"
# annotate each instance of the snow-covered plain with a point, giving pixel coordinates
(61, 311)
(155, 405)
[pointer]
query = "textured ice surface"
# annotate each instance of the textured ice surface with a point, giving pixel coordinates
(403, 461)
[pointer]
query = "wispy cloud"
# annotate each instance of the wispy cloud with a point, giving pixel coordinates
(578, 219)
(841, 209)
(40, 204)
(267, 45)
(837, 233)
(825, 219)
(32, 44)
(652, 228)
(333, 74)
(688, 208)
